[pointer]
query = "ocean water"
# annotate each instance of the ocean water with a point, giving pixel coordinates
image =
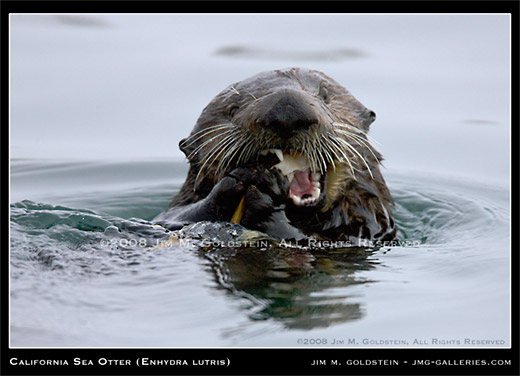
(98, 106)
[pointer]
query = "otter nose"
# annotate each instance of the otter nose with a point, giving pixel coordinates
(286, 113)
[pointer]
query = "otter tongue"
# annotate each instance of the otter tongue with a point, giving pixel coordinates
(302, 183)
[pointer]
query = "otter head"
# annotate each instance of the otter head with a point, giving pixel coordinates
(304, 123)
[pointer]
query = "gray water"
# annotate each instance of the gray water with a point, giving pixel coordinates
(98, 106)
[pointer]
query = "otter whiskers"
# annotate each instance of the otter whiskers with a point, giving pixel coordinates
(216, 152)
(220, 137)
(356, 135)
(226, 142)
(204, 132)
(240, 144)
(335, 147)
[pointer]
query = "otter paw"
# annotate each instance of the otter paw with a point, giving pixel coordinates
(225, 197)
(262, 214)
(258, 208)
(270, 182)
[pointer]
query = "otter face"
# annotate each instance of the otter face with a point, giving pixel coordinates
(303, 123)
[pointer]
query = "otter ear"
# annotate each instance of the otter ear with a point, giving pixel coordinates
(367, 118)
(186, 146)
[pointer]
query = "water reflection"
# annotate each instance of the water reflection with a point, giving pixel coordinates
(301, 289)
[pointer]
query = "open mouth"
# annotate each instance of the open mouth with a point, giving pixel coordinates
(306, 187)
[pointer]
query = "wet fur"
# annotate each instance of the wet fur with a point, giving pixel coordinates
(357, 204)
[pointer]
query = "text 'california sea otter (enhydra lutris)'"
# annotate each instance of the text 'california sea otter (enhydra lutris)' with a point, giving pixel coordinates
(285, 152)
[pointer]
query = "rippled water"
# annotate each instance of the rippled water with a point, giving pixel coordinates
(91, 270)
(87, 268)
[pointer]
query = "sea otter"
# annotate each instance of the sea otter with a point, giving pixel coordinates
(285, 152)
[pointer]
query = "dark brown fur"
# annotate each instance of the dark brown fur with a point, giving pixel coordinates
(291, 110)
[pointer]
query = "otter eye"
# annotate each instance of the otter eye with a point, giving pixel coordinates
(324, 94)
(233, 110)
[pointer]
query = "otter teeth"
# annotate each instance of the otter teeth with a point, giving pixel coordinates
(299, 201)
(301, 192)
(278, 153)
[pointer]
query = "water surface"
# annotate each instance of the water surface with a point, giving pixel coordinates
(98, 106)
(91, 271)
